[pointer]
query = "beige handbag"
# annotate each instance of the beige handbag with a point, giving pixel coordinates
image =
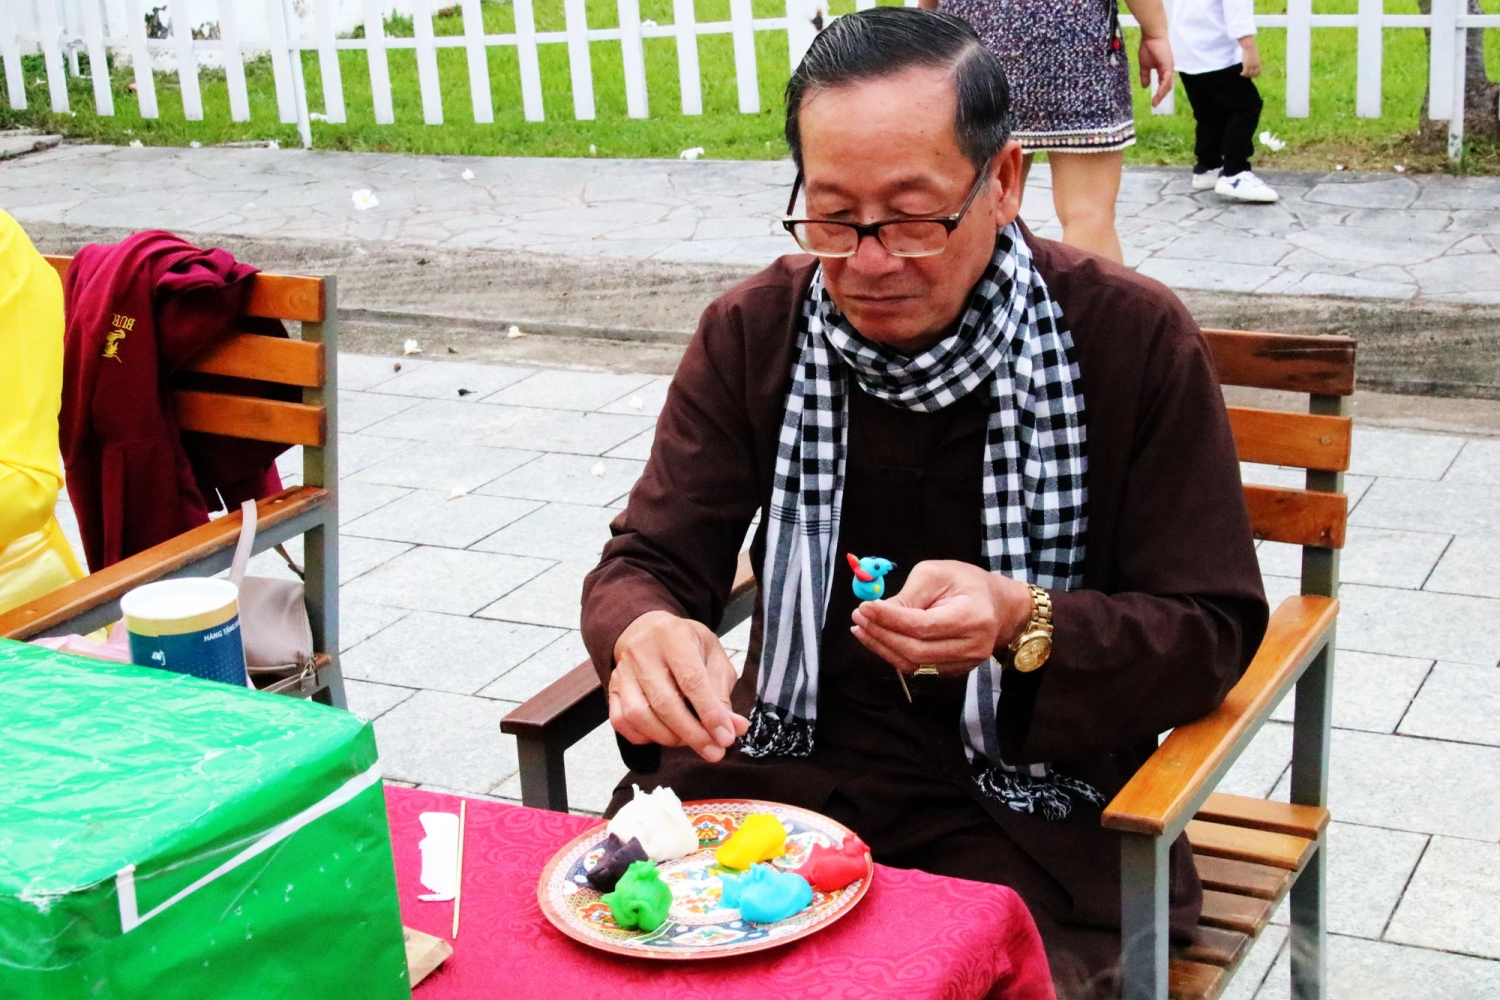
(273, 620)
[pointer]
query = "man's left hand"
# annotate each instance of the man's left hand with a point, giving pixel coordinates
(950, 615)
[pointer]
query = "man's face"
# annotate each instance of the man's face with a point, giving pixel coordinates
(885, 149)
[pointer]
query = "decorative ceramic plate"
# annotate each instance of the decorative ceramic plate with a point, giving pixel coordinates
(696, 926)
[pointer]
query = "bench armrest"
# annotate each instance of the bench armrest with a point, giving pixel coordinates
(1178, 777)
(93, 602)
(573, 705)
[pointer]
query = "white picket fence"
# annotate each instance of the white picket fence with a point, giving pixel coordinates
(62, 28)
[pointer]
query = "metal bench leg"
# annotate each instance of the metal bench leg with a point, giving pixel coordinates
(544, 782)
(1143, 916)
(1309, 939)
(320, 545)
(1311, 723)
(321, 585)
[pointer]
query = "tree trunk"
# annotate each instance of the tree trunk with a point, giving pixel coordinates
(1481, 95)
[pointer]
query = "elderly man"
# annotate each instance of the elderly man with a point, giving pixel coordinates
(1033, 435)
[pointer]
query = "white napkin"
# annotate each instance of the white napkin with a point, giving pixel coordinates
(439, 856)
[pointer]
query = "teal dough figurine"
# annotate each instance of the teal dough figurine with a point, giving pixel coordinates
(869, 576)
(869, 585)
(764, 895)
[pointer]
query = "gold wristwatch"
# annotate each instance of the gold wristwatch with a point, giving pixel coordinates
(1030, 649)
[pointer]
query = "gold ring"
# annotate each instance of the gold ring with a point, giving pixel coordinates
(926, 670)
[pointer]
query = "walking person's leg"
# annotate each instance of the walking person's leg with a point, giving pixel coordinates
(1084, 189)
(1242, 105)
(1209, 122)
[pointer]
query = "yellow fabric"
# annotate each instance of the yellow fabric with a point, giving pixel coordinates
(35, 557)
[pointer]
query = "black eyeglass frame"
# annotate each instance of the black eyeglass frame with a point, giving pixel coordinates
(863, 229)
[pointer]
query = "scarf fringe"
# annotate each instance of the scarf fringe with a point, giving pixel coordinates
(1052, 795)
(771, 735)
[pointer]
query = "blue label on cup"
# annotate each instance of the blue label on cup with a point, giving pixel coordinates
(215, 653)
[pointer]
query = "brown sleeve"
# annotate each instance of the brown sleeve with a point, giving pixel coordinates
(676, 545)
(1183, 611)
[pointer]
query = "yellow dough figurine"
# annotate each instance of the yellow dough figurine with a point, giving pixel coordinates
(759, 838)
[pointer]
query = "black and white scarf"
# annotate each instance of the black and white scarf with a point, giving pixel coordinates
(1013, 343)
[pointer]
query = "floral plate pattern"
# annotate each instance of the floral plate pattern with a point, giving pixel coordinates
(697, 926)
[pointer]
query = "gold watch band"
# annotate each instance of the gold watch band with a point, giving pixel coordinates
(1033, 646)
(1041, 608)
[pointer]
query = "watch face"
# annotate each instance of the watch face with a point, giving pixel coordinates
(1033, 653)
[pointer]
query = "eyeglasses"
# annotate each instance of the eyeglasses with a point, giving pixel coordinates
(900, 237)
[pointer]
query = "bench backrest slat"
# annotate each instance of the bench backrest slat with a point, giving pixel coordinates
(247, 417)
(272, 296)
(1292, 362)
(269, 359)
(287, 297)
(1300, 440)
(1299, 517)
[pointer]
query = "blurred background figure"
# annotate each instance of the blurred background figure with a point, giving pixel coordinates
(35, 557)
(1070, 95)
(1216, 54)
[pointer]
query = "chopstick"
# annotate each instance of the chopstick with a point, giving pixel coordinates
(902, 678)
(458, 889)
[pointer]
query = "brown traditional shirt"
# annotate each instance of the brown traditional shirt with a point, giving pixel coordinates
(1169, 613)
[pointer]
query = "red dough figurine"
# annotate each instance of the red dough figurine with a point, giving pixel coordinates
(829, 869)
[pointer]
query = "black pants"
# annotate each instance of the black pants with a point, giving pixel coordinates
(1227, 108)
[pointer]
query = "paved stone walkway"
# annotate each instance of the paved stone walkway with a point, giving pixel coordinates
(470, 522)
(1385, 236)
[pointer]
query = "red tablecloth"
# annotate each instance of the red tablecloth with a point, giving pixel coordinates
(914, 936)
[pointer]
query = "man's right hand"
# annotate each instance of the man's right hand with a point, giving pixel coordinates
(663, 665)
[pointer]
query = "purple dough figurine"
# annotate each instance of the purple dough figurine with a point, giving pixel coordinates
(617, 857)
(765, 895)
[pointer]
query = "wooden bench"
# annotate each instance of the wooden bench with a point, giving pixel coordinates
(1250, 853)
(309, 510)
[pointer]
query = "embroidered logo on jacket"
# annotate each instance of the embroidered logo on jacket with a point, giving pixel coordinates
(122, 325)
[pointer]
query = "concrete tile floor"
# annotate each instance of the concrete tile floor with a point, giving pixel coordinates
(437, 517)
(577, 479)
(568, 531)
(444, 467)
(455, 611)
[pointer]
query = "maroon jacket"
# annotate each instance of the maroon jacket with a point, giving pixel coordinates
(136, 312)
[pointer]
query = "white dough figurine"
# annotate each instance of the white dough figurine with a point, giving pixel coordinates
(656, 819)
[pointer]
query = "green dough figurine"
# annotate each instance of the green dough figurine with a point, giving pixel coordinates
(641, 899)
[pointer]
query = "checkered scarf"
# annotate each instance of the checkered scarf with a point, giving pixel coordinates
(1012, 343)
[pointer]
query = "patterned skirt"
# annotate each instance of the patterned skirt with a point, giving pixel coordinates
(1069, 86)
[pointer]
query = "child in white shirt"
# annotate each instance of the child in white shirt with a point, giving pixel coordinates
(1213, 42)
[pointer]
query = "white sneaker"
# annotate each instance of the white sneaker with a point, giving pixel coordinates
(1245, 187)
(1205, 180)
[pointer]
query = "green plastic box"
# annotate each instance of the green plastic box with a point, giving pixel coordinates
(163, 836)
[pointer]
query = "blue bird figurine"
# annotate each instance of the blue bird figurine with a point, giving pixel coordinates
(869, 576)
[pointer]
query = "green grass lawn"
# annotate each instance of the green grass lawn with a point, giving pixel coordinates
(1332, 135)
